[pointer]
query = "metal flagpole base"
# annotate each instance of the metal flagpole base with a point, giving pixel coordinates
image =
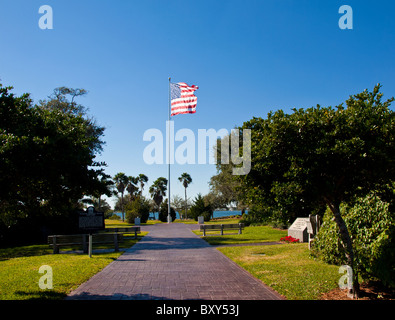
(169, 219)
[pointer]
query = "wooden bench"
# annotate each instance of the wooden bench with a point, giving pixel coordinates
(134, 230)
(221, 227)
(57, 241)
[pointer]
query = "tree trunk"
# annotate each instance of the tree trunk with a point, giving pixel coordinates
(346, 242)
(185, 203)
(123, 215)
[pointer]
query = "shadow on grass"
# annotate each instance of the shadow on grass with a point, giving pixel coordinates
(24, 251)
(223, 240)
(41, 295)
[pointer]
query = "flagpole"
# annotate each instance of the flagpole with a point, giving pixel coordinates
(168, 202)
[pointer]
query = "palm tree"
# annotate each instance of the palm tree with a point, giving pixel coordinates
(185, 179)
(121, 181)
(158, 190)
(132, 187)
(142, 178)
(105, 187)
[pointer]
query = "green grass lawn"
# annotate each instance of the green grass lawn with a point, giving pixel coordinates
(249, 235)
(19, 277)
(287, 268)
(19, 268)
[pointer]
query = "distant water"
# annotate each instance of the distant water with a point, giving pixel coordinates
(217, 214)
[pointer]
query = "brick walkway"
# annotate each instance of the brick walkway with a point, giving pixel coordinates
(172, 263)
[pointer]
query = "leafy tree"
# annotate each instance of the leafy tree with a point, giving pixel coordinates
(164, 211)
(139, 207)
(47, 163)
(58, 101)
(371, 225)
(224, 186)
(323, 156)
(179, 204)
(200, 208)
(185, 179)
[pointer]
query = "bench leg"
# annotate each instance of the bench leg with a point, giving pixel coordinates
(55, 247)
(204, 232)
(116, 249)
(222, 229)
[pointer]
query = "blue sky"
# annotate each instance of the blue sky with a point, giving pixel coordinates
(247, 57)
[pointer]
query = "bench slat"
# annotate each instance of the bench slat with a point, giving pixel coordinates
(221, 227)
(70, 240)
(61, 239)
(124, 230)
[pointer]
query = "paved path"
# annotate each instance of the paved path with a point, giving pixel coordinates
(170, 263)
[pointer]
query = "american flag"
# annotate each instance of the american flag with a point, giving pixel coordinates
(182, 98)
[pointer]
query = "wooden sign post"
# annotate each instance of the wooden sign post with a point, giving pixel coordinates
(91, 221)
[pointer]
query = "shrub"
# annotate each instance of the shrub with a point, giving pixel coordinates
(114, 217)
(164, 210)
(371, 227)
(199, 208)
(257, 215)
(137, 208)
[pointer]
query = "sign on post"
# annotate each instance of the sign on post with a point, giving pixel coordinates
(91, 220)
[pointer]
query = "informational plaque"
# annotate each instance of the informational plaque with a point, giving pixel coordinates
(298, 229)
(91, 220)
